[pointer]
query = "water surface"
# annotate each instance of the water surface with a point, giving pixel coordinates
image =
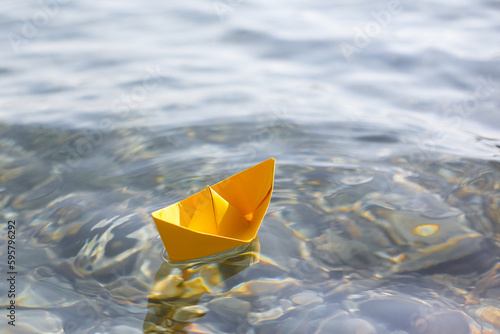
(386, 209)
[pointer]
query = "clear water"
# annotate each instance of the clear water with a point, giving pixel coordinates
(383, 118)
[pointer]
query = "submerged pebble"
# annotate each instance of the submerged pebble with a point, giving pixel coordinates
(454, 322)
(230, 308)
(395, 312)
(262, 287)
(306, 298)
(271, 314)
(168, 288)
(189, 313)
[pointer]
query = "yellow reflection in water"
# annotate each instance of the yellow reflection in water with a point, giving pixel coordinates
(173, 300)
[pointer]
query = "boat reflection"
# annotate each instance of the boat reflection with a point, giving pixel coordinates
(173, 300)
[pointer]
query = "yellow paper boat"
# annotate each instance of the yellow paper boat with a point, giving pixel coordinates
(223, 216)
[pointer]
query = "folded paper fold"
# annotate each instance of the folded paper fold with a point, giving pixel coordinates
(218, 218)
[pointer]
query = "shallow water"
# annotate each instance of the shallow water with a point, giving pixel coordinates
(386, 209)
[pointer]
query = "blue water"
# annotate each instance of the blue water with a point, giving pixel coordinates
(383, 117)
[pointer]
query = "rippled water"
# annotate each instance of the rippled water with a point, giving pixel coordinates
(383, 118)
